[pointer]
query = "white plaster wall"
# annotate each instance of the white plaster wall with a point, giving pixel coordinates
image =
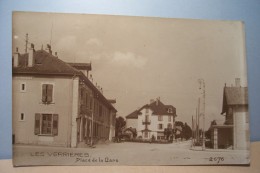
(240, 130)
(154, 123)
(131, 123)
(29, 103)
(75, 111)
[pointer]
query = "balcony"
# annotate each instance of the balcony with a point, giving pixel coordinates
(146, 122)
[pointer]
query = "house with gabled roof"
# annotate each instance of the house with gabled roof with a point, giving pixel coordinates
(234, 133)
(152, 119)
(56, 103)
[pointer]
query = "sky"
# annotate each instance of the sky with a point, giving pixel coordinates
(135, 59)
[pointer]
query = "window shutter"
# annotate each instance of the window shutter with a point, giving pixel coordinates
(49, 93)
(55, 124)
(37, 124)
(44, 93)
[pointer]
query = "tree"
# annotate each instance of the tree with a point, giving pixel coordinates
(208, 132)
(120, 123)
(186, 131)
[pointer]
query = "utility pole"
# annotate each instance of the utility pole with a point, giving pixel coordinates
(203, 93)
(26, 42)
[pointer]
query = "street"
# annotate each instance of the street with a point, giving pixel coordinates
(126, 153)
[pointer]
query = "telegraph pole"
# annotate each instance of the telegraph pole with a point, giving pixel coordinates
(203, 93)
(26, 42)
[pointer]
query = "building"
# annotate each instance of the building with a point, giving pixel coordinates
(234, 133)
(55, 103)
(151, 119)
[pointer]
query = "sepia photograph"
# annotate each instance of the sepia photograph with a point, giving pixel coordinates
(125, 90)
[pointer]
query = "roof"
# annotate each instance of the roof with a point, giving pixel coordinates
(81, 66)
(44, 63)
(133, 115)
(47, 64)
(157, 107)
(112, 100)
(234, 96)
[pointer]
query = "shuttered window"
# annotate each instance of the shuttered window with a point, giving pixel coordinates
(55, 124)
(37, 124)
(47, 93)
(46, 124)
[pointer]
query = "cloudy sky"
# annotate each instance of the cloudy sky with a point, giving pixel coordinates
(135, 59)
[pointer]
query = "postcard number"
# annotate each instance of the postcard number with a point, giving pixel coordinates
(216, 159)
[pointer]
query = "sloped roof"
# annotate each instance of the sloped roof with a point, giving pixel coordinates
(234, 96)
(133, 115)
(44, 63)
(157, 107)
(47, 64)
(81, 66)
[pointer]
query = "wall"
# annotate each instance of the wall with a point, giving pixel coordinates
(131, 123)
(154, 123)
(30, 102)
(241, 128)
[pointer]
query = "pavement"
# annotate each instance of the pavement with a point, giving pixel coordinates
(126, 153)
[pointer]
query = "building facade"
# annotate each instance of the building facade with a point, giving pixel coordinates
(234, 133)
(152, 119)
(55, 103)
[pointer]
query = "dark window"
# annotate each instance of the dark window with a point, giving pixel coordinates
(23, 87)
(47, 93)
(22, 117)
(100, 110)
(86, 100)
(160, 126)
(160, 117)
(46, 124)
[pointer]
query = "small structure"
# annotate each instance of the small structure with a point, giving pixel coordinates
(234, 133)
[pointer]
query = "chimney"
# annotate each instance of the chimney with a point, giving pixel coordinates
(16, 58)
(157, 101)
(237, 81)
(49, 48)
(56, 54)
(30, 56)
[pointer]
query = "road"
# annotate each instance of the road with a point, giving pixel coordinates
(126, 153)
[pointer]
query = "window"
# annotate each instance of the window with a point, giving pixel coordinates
(23, 87)
(22, 117)
(160, 126)
(47, 93)
(46, 124)
(169, 110)
(169, 118)
(160, 117)
(87, 100)
(146, 118)
(100, 110)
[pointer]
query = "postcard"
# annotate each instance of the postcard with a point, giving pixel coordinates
(123, 90)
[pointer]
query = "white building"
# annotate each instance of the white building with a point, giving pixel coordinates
(152, 119)
(56, 104)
